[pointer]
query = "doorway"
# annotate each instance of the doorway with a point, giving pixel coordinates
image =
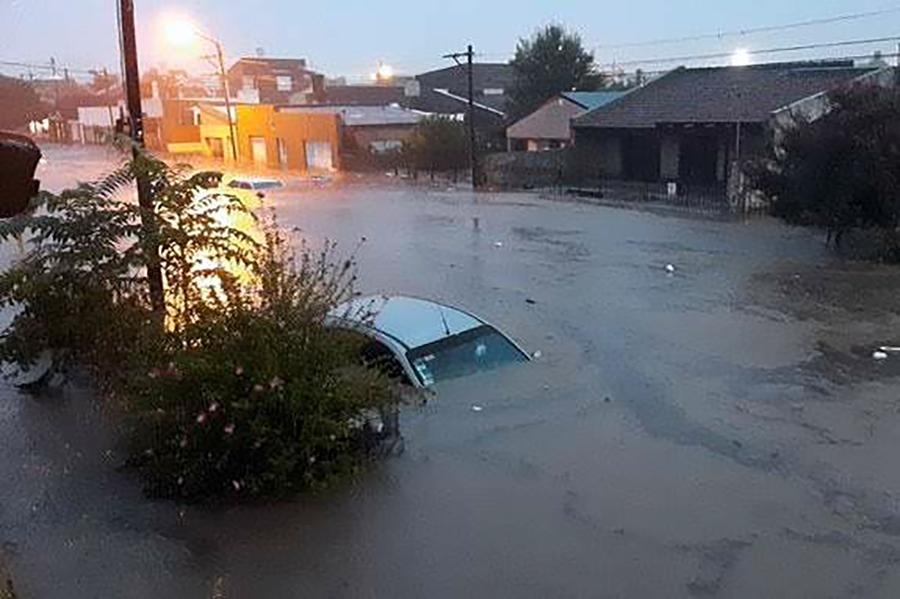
(318, 155)
(258, 151)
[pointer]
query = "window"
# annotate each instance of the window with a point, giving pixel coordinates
(493, 91)
(249, 82)
(284, 83)
(377, 356)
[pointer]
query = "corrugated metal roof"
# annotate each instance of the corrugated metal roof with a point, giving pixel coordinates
(364, 116)
(593, 100)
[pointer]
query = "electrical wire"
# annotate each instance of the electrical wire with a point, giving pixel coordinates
(754, 30)
(783, 49)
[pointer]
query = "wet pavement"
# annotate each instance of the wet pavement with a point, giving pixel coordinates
(721, 431)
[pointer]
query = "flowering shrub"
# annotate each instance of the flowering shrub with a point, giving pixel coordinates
(239, 389)
(259, 398)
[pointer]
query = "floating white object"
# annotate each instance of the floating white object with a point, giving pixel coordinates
(670, 268)
(890, 350)
(879, 355)
(536, 355)
(477, 408)
(498, 244)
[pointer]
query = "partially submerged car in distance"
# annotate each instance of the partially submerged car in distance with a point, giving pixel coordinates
(422, 342)
(254, 184)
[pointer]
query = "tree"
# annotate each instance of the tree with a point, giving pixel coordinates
(438, 144)
(20, 104)
(552, 61)
(842, 171)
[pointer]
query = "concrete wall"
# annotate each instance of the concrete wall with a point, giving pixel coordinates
(511, 170)
(175, 126)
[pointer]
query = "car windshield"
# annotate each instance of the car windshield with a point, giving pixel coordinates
(467, 353)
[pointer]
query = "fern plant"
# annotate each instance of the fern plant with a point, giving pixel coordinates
(87, 261)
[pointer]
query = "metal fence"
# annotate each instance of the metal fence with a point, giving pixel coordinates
(695, 198)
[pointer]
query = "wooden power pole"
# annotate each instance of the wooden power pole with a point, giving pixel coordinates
(136, 120)
(469, 55)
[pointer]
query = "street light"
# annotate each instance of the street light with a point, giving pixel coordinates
(181, 32)
(740, 58)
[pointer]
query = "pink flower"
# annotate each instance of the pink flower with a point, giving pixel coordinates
(153, 373)
(180, 480)
(229, 430)
(201, 418)
(236, 485)
(276, 383)
(239, 370)
(183, 442)
(258, 388)
(213, 407)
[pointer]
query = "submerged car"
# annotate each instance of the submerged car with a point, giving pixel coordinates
(422, 342)
(254, 184)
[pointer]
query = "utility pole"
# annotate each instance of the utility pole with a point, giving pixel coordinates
(469, 54)
(226, 88)
(136, 119)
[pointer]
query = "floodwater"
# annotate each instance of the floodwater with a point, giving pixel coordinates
(721, 431)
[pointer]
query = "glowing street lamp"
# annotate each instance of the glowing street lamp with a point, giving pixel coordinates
(181, 32)
(740, 58)
(385, 72)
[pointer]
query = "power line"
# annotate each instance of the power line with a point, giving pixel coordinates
(783, 49)
(46, 67)
(754, 30)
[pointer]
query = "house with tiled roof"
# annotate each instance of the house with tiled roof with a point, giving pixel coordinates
(549, 126)
(693, 128)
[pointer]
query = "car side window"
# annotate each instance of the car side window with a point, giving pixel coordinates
(377, 355)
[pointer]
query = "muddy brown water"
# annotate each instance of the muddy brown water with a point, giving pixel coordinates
(721, 431)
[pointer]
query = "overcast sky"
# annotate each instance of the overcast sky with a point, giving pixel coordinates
(349, 37)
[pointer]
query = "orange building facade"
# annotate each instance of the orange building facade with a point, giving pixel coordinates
(306, 142)
(266, 137)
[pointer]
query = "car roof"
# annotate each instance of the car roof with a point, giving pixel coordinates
(256, 181)
(411, 321)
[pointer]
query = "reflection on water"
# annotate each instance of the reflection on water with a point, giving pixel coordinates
(215, 270)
